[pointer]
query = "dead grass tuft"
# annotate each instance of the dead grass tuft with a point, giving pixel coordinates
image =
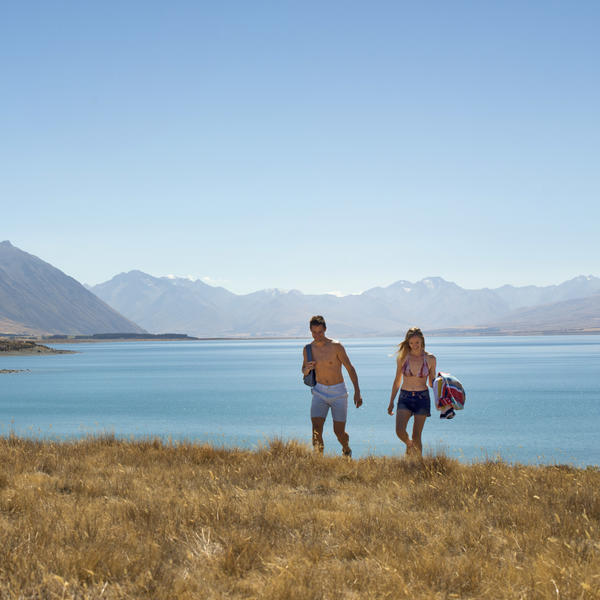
(109, 518)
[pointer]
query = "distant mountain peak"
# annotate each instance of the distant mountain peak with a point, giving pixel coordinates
(399, 283)
(132, 273)
(39, 296)
(127, 275)
(273, 292)
(432, 282)
(185, 278)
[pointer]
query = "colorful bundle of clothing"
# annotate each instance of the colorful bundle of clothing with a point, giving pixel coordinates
(449, 395)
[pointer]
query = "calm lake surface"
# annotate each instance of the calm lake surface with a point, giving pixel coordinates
(529, 399)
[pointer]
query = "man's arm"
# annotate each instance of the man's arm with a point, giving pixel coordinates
(351, 373)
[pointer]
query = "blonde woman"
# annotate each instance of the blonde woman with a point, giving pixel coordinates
(415, 367)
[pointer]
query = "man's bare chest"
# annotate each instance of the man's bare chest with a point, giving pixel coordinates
(326, 356)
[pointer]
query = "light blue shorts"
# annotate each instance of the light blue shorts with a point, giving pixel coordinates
(325, 397)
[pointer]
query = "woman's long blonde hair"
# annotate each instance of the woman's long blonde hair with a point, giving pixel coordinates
(404, 347)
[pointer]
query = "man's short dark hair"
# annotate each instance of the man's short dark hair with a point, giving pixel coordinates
(317, 320)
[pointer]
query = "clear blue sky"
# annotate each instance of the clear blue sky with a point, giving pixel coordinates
(322, 146)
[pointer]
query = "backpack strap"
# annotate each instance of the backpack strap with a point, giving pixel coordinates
(308, 352)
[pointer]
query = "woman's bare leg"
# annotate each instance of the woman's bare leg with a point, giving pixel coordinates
(402, 417)
(418, 424)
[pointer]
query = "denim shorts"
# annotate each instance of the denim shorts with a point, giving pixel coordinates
(418, 403)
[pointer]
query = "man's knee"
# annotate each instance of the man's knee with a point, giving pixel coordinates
(339, 428)
(317, 424)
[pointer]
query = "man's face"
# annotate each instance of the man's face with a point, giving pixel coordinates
(318, 332)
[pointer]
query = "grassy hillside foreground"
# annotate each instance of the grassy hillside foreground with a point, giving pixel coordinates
(104, 518)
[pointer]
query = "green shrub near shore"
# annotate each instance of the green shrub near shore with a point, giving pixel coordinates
(105, 518)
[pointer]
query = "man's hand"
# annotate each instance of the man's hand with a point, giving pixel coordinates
(310, 365)
(357, 399)
(391, 408)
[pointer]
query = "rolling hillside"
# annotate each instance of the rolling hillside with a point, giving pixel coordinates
(37, 297)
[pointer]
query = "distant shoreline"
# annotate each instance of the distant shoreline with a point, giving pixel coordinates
(189, 339)
(96, 340)
(27, 348)
(517, 333)
(30, 345)
(435, 333)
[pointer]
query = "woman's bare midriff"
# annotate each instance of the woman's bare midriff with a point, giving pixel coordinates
(414, 384)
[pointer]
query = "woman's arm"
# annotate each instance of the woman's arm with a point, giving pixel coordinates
(395, 388)
(432, 364)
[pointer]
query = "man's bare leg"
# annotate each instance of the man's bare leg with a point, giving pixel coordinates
(402, 417)
(339, 428)
(317, 433)
(418, 424)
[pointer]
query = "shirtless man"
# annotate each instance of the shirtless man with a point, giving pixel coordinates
(330, 390)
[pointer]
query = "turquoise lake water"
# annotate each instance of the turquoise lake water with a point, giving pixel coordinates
(529, 399)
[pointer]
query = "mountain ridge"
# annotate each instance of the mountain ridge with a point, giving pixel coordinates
(37, 297)
(432, 303)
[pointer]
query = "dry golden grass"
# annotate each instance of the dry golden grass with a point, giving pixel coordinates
(104, 518)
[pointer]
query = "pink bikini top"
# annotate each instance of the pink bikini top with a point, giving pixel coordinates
(423, 371)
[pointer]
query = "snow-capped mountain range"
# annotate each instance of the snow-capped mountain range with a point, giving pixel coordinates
(179, 305)
(36, 297)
